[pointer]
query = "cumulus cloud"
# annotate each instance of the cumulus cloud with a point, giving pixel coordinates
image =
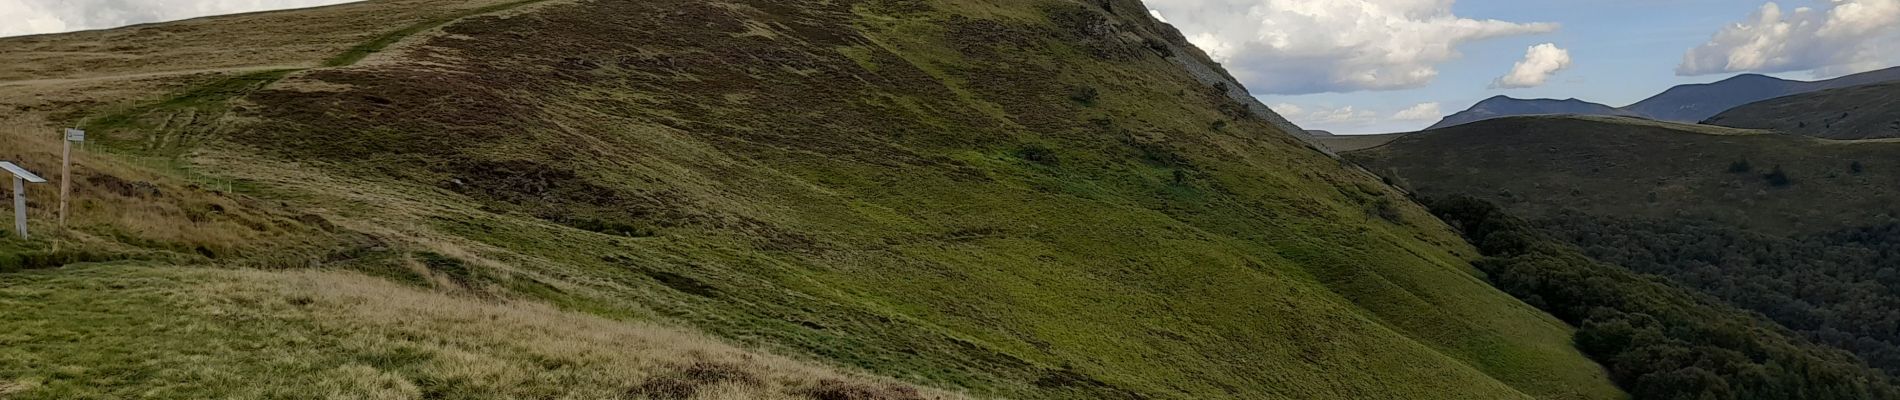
(26, 17)
(1313, 46)
(1843, 36)
(1322, 115)
(1422, 112)
(1540, 62)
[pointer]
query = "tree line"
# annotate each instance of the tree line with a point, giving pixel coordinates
(1657, 340)
(1834, 288)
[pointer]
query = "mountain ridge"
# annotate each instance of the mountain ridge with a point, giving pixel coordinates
(1690, 103)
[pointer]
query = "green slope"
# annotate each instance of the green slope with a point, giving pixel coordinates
(1854, 112)
(1542, 166)
(1020, 199)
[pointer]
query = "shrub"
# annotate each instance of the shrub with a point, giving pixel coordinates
(1778, 178)
(1085, 95)
(833, 389)
(1740, 167)
(1039, 154)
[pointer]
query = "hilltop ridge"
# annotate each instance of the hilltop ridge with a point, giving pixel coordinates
(1502, 106)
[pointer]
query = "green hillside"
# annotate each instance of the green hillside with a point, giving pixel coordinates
(1541, 166)
(1795, 229)
(1023, 199)
(1855, 112)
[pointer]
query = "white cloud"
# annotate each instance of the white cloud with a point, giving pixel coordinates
(26, 17)
(1313, 46)
(1322, 115)
(1353, 120)
(1540, 62)
(1844, 36)
(1422, 112)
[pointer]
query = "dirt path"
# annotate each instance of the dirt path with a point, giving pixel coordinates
(59, 81)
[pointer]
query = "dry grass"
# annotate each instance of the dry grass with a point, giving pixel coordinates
(339, 335)
(287, 38)
(474, 342)
(119, 206)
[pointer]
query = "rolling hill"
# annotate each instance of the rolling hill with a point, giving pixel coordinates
(888, 199)
(1503, 106)
(1694, 103)
(1855, 112)
(1542, 166)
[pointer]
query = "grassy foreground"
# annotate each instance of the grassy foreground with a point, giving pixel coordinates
(136, 331)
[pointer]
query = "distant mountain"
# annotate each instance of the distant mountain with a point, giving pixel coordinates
(1684, 103)
(1854, 112)
(1504, 106)
(1694, 103)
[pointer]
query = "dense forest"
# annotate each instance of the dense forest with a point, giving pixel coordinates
(1658, 340)
(1835, 288)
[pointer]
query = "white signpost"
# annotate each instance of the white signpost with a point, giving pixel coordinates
(66, 170)
(20, 178)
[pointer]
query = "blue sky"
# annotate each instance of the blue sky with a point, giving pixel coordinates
(1620, 51)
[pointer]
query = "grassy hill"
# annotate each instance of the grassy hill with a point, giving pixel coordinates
(1004, 198)
(1540, 166)
(1857, 112)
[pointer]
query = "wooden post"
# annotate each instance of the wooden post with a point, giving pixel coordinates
(65, 179)
(66, 170)
(19, 206)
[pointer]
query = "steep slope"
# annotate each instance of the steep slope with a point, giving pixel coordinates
(1542, 166)
(1694, 103)
(1855, 112)
(1504, 106)
(1021, 199)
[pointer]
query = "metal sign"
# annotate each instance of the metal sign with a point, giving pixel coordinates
(21, 173)
(75, 135)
